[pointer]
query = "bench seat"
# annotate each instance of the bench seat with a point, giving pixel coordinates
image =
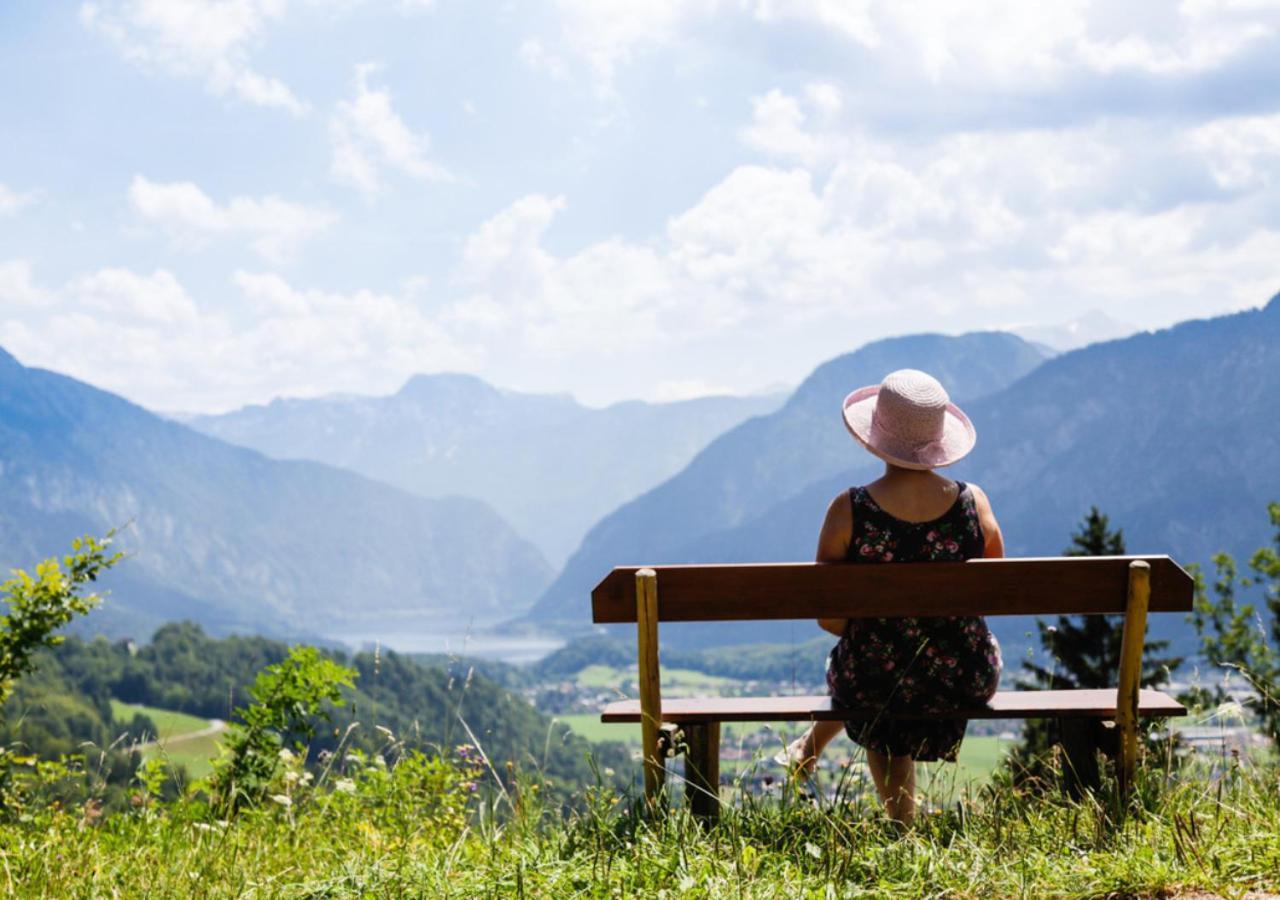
(1087, 704)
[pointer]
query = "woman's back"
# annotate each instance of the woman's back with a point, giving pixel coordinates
(954, 532)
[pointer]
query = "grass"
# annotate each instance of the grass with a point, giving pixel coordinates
(1196, 830)
(673, 679)
(172, 744)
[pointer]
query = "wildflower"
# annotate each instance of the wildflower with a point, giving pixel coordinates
(286, 755)
(463, 751)
(345, 786)
(283, 799)
(306, 777)
(290, 777)
(609, 773)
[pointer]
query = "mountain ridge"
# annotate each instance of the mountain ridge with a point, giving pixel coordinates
(248, 541)
(732, 480)
(548, 464)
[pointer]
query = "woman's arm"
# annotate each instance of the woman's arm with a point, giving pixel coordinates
(833, 545)
(992, 539)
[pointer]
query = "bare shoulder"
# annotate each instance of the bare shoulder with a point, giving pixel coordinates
(840, 507)
(981, 501)
(837, 529)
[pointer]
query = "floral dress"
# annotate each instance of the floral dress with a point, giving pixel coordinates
(915, 665)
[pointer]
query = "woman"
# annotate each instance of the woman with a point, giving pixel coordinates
(909, 514)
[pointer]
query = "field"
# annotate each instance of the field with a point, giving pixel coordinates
(681, 680)
(183, 740)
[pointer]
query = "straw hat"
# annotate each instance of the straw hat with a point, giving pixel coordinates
(909, 420)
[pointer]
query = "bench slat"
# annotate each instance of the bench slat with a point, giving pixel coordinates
(981, 587)
(1088, 703)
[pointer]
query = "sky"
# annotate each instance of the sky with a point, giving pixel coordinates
(209, 203)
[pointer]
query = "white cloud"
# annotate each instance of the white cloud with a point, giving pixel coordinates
(145, 337)
(208, 39)
(124, 295)
(958, 233)
(784, 128)
(13, 202)
(276, 228)
(367, 133)
(17, 289)
(534, 54)
(994, 44)
(1244, 152)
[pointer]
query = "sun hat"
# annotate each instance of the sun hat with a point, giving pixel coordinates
(909, 420)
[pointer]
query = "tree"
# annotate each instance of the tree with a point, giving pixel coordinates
(1234, 635)
(37, 606)
(1085, 653)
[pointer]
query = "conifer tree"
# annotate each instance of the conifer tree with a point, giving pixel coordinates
(1084, 652)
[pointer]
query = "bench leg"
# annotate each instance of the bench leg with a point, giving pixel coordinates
(702, 770)
(1135, 629)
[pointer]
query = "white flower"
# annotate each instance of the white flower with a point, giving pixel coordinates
(283, 799)
(286, 755)
(345, 785)
(291, 776)
(306, 777)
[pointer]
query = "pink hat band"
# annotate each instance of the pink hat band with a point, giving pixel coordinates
(909, 420)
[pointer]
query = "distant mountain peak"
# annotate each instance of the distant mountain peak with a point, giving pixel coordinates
(1091, 327)
(438, 386)
(7, 359)
(1273, 305)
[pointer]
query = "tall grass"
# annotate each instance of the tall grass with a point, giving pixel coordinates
(1193, 826)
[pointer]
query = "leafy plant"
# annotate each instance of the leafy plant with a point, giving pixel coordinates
(288, 699)
(37, 606)
(1233, 634)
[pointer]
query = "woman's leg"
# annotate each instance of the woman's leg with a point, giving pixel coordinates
(895, 778)
(805, 750)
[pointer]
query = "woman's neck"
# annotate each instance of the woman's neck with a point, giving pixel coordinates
(898, 473)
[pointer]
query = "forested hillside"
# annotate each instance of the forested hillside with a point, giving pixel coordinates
(67, 700)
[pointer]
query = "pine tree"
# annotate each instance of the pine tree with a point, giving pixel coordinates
(1084, 653)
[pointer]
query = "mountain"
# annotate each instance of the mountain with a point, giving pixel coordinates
(1174, 434)
(763, 461)
(550, 466)
(1093, 327)
(234, 540)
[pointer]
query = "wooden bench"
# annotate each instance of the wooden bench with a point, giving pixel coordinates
(984, 587)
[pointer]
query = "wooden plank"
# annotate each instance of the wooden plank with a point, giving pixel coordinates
(702, 769)
(655, 766)
(1092, 703)
(1135, 632)
(986, 587)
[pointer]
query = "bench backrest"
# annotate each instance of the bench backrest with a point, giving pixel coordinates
(980, 587)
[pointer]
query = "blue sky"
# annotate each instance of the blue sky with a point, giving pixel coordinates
(205, 203)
